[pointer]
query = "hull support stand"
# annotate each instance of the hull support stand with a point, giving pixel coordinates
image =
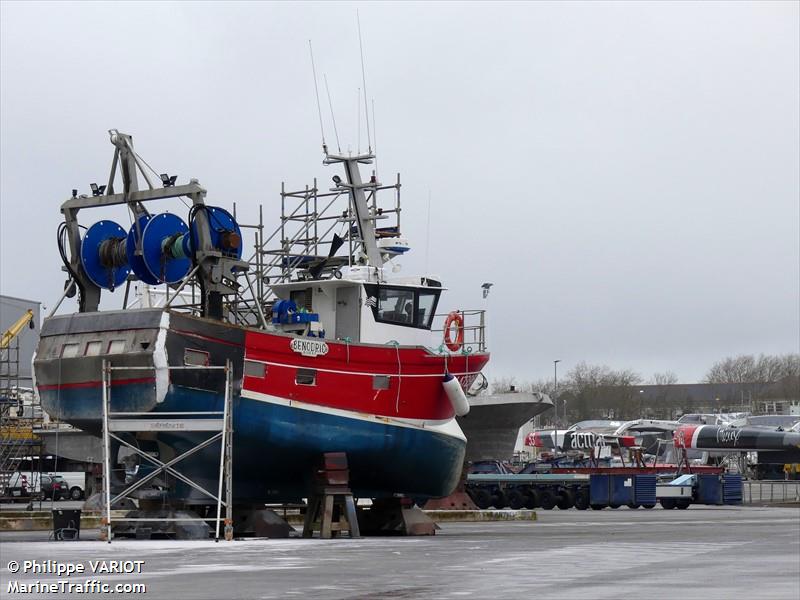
(395, 516)
(331, 508)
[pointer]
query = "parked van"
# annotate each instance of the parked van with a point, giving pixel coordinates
(76, 481)
(59, 485)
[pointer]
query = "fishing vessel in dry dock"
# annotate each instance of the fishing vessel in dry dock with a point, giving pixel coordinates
(330, 349)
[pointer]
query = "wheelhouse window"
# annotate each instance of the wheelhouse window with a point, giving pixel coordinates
(396, 305)
(407, 306)
(426, 304)
(302, 298)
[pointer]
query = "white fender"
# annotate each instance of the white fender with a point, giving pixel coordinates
(456, 395)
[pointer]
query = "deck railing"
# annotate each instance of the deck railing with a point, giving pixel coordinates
(474, 329)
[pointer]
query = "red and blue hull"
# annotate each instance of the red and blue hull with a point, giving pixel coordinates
(384, 406)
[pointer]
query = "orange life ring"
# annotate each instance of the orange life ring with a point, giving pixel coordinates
(454, 317)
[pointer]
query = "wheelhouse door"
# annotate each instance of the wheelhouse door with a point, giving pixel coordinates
(348, 312)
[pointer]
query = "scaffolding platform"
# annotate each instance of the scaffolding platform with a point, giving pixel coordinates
(218, 423)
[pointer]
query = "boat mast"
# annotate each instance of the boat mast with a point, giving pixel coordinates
(365, 220)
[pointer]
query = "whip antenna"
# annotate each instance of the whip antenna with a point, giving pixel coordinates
(333, 118)
(316, 91)
(428, 235)
(375, 134)
(363, 80)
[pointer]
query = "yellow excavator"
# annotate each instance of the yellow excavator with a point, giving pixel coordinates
(13, 331)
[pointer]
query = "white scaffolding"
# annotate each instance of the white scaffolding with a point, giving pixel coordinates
(220, 422)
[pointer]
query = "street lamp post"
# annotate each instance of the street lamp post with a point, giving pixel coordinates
(483, 336)
(485, 316)
(555, 389)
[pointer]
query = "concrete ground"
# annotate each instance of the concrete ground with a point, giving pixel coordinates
(702, 553)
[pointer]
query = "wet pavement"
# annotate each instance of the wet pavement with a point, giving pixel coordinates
(705, 553)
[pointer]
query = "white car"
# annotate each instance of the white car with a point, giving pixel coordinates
(27, 484)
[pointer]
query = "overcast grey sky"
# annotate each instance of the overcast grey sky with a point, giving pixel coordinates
(626, 174)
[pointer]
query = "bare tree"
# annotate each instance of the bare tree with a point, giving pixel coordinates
(665, 378)
(501, 385)
(596, 391)
(543, 386)
(737, 369)
(663, 402)
(746, 368)
(759, 376)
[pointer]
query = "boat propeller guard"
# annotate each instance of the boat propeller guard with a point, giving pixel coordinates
(454, 318)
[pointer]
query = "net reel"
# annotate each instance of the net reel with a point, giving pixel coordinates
(226, 236)
(157, 248)
(109, 254)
